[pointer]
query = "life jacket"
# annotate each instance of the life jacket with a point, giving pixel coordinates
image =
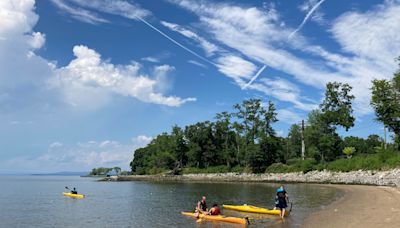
(216, 211)
(203, 206)
(281, 193)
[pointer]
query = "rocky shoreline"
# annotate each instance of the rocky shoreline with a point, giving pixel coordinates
(377, 178)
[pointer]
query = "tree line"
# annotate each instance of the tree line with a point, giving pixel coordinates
(245, 137)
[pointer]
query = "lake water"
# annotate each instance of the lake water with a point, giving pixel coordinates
(37, 201)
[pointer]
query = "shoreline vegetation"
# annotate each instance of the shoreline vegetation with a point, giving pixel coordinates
(243, 140)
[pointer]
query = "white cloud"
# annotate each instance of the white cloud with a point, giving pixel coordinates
(207, 46)
(89, 76)
(162, 74)
(310, 6)
(237, 68)
(87, 81)
(317, 16)
(289, 116)
(284, 90)
(151, 59)
(255, 34)
(373, 34)
(254, 77)
(79, 13)
(118, 7)
(55, 144)
(19, 66)
(81, 156)
(194, 62)
(142, 140)
(371, 40)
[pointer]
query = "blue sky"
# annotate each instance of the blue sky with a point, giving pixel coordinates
(84, 83)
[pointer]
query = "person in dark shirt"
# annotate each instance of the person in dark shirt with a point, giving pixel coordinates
(281, 200)
(74, 191)
(201, 207)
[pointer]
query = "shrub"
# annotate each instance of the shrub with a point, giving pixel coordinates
(237, 169)
(305, 165)
(277, 168)
(349, 151)
(292, 161)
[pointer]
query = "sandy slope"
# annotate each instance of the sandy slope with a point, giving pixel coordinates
(361, 206)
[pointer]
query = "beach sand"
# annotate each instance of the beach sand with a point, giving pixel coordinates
(360, 206)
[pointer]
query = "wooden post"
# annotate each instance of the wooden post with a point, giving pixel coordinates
(384, 142)
(303, 146)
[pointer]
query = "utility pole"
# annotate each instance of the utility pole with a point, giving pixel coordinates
(303, 146)
(384, 132)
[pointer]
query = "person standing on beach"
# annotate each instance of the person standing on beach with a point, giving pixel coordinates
(281, 200)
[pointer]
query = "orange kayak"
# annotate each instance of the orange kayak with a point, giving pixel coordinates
(220, 218)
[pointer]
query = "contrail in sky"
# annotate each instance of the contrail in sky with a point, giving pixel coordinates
(176, 42)
(315, 7)
(254, 77)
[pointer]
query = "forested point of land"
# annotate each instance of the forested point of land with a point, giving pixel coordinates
(244, 139)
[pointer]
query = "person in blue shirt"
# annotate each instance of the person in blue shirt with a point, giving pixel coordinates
(281, 199)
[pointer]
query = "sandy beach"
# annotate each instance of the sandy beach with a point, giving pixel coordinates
(360, 206)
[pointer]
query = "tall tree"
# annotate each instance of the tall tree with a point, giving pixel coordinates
(294, 141)
(225, 138)
(386, 102)
(180, 147)
(258, 133)
(323, 143)
(337, 106)
(202, 150)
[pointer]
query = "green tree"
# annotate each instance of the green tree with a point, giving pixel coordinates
(180, 148)
(225, 138)
(337, 106)
(386, 102)
(202, 150)
(372, 142)
(358, 143)
(294, 141)
(322, 141)
(255, 125)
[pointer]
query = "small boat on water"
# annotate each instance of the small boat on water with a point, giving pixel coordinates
(221, 218)
(76, 196)
(254, 209)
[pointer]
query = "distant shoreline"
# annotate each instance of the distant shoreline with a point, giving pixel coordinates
(376, 178)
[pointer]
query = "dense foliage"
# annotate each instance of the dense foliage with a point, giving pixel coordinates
(244, 140)
(386, 102)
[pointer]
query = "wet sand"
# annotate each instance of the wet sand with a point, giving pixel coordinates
(360, 206)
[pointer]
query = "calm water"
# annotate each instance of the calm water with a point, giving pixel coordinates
(37, 201)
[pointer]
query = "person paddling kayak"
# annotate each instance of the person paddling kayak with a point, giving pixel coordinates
(74, 191)
(281, 199)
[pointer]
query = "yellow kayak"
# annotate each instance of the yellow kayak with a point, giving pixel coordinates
(77, 196)
(221, 218)
(254, 209)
